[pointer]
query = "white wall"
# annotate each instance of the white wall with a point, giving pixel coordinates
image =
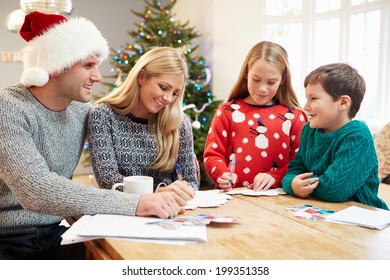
(229, 29)
(9, 42)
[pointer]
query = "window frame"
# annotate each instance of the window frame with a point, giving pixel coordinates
(308, 19)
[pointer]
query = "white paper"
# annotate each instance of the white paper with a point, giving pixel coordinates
(353, 215)
(118, 226)
(210, 198)
(71, 236)
(250, 192)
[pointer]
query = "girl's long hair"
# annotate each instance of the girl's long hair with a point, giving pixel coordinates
(275, 55)
(165, 123)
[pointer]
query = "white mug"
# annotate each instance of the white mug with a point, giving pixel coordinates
(135, 184)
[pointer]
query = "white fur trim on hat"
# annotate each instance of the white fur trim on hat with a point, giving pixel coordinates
(59, 48)
(34, 76)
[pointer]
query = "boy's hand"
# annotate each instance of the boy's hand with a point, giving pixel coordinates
(303, 184)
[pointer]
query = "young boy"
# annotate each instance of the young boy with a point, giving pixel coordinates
(336, 160)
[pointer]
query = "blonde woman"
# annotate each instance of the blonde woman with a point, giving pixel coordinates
(140, 128)
(259, 126)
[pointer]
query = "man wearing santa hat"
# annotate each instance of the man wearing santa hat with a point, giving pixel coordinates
(42, 132)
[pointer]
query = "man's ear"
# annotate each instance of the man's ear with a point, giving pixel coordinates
(141, 76)
(344, 102)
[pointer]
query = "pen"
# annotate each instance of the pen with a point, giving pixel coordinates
(232, 166)
(178, 172)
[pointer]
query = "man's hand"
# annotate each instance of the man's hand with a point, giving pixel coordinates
(162, 205)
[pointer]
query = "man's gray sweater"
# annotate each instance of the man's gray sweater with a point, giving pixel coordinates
(39, 150)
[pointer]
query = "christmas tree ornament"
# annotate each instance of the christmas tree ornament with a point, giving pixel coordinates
(196, 124)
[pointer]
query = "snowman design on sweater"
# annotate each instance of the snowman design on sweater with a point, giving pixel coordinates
(264, 139)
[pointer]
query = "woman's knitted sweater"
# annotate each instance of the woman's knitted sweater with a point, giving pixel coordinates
(124, 146)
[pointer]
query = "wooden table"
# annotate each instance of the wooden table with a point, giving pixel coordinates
(266, 231)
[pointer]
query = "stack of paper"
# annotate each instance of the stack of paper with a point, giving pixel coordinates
(131, 228)
(353, 215)
(250, 192)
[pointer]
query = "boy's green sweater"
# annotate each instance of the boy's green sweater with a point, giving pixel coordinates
(345, 162)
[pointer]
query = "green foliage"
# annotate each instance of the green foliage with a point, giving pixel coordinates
(157, 27)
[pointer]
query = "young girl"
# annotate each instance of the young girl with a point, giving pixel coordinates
(140, 128)
(255, 134)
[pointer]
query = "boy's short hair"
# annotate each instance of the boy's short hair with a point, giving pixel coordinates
(339, 79)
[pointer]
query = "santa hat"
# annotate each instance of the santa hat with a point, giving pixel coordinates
(55, 44)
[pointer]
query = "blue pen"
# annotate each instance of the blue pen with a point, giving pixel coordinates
(178, 172)
(232, 166)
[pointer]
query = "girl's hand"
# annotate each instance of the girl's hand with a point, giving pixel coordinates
(262, 182)
(226, 182)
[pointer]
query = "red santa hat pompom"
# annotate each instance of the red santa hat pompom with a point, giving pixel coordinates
(55, 44)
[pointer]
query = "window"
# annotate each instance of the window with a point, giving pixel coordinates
(317, 32)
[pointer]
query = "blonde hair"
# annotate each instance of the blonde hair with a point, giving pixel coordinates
(165, 123)
(275, 55)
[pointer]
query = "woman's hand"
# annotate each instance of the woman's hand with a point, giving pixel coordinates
(181, 190)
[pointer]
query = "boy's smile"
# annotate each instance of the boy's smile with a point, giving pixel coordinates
(323, 111)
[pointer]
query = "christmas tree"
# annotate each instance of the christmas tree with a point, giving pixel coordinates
(157, 27)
